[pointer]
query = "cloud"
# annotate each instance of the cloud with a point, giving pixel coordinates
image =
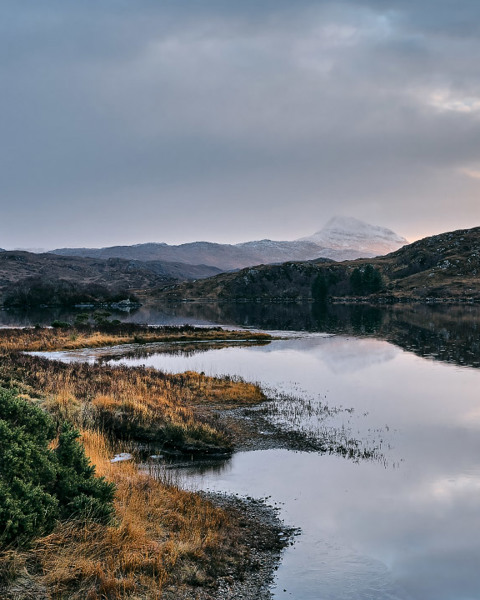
(444, 100)
(473, 173)
(196, 113)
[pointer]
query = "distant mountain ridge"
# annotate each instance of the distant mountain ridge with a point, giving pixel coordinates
(443, 267)
(341, 239)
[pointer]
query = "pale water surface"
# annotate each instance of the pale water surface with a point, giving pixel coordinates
(403, 527)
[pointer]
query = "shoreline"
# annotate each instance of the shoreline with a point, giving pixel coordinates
(374, 300)
(264, 534)
(257, 536)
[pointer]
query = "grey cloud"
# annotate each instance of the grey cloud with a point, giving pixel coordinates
(191, 109)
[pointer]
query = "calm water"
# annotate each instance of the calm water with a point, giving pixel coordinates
(403, 527)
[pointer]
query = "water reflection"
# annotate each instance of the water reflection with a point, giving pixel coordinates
(367, 533)
(440, 332)
(406, 529)
(45, 316)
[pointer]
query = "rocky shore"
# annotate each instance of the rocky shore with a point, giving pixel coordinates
(264, 534)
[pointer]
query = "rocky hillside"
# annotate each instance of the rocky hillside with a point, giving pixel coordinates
(340, 239)
(177, 270)
(442, 266)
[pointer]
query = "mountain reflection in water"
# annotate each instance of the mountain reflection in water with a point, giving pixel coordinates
(449, 333)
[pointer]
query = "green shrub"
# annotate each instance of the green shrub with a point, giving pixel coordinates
(77, 489)
(39, 485)
(60, 324)
(82, 319)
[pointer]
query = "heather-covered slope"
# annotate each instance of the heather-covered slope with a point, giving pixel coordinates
(27, 278)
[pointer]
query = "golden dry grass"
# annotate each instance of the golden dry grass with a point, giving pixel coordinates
(45, 339)
(136, 403)
(162, 536)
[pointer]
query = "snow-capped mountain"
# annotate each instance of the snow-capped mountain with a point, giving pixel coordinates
(341, 233)
(340, 239)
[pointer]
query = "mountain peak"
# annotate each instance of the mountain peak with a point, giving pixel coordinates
(341, 233)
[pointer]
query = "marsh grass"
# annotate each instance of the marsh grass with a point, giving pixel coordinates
(162, 539)
(305, 423)
(131, 403)
(72, 338)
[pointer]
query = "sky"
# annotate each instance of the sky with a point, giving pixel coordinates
(125, 122)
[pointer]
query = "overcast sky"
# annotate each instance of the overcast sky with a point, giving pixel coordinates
(146, 120)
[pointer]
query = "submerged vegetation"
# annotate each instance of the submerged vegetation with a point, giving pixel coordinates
(301, 422)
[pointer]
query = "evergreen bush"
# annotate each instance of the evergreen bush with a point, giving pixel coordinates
(38, 484)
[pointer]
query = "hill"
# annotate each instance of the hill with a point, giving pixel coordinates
(340, 239)
(445, 266)
(27, 278)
